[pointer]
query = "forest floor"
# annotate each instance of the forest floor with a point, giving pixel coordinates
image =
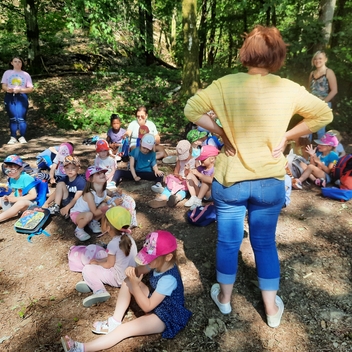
(39, 304)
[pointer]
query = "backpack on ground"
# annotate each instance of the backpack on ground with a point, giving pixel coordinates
(343, 171)
(79, 256)
(41, 188)
(342, 195)
(294, 164)
(202, 216)
(32, 221)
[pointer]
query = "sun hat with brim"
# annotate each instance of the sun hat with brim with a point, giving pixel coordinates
(328, 139)
(157, 243)
(195, 135)
(71, 160)
(336, 133)
(119, 217)
(13, 159)
(207, 151)
(93, 170)
(182, 148)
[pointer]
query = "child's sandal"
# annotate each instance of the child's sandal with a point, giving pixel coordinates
(296, 184)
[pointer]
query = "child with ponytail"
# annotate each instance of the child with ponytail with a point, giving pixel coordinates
(121, 254)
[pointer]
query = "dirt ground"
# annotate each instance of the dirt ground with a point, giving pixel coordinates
(39, 304)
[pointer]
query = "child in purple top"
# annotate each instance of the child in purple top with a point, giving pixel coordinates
(115, 134)
(199, 179)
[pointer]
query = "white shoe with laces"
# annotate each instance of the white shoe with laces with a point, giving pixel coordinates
(190, 201)
(95, 226)
(81, 234)
(197, 203)
(22, 140)
(12, 140)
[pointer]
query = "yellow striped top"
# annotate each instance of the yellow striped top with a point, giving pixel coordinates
(255, 111)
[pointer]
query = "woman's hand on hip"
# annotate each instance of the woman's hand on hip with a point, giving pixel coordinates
(279, 149)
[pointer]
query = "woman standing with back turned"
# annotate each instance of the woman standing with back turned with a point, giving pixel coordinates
(254, 109)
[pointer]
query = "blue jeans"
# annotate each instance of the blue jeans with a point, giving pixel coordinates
(263, 199)
(16, 106)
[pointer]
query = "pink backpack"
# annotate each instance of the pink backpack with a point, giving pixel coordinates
(79, 256)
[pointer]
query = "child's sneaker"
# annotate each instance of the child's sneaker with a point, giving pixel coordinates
(71, 346)
(54, 209)
(157, 188)
(106, 326)
(275, 320)
(95, 298)
(81, 234)
(320, 182)
(95, 226)
(197, 203)
(22, 140)
(173, 200)
(191, 201)
(157, 203)
(12, 140)
(83, 287)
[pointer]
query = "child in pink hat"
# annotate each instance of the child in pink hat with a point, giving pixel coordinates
(199, 179)
(163, 305)
(321, 161)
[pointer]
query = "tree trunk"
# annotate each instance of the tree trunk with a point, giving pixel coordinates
(326, 15)
(149, 55)
(211, 53)
(141, 29)
(202, 32)
(190, 72)
(337, 25)
(32, 31)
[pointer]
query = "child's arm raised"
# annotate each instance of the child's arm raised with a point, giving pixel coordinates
(145, 303)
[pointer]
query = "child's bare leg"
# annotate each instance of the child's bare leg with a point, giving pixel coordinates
(124, 299)
(60, 192)
(203, 190)
(84, 219)
(145, 325)
(13, 211)
(192, 183)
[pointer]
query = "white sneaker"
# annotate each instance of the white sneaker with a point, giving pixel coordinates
(22, 140)
(95, 226)
(157, 188)
(81, 235)
(106, 326)
(275, 320)
(191, 201)
(12, 140)
(95, 298)
(197, 203)
(225, 308)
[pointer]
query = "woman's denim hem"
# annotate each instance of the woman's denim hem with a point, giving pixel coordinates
(269, 284)
(225, 279)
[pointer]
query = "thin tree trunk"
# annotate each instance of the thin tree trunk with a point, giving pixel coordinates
(149, 55)
(337, 24)
(202, 32)
(32, 31)
(327, 8)
(190, 72)
(211, 53)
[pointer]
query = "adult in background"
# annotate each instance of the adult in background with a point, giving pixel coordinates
(142, 120)
(17, 84)
(254, 109)
(322, 82)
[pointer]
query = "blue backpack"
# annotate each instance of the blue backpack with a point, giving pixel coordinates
(343, 195)
(202, 216)
(215, 141)
(41, 188)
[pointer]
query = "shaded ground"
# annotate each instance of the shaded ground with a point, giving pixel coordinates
(38, 302)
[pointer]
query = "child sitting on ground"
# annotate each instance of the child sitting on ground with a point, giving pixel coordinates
(87, 209)
(68, 189)
(105, 161)
(199, 179)
(121, 249)
(57, 170)
(196, 138)
(340, 150)
(143, 163)
(15, 201)
(163, 305)
(115, 134)
(176, 185)
(321, 162)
